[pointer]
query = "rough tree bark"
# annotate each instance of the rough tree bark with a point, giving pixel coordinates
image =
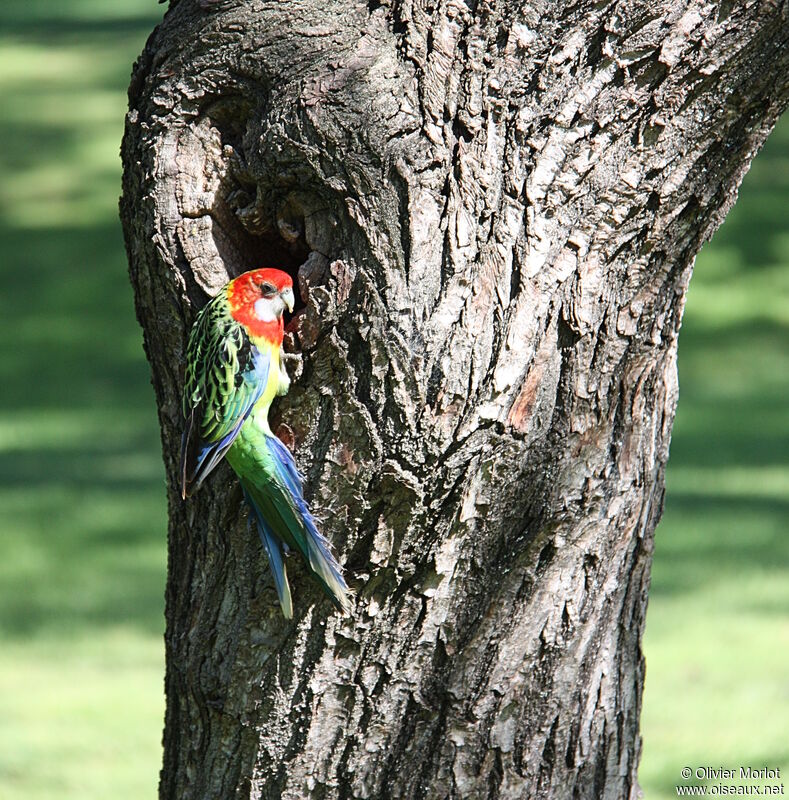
(492, 208)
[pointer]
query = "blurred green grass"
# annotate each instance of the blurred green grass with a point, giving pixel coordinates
(82, 521)
(82, 527)
(717, 634)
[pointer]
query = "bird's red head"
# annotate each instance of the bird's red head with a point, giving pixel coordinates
(258, 299)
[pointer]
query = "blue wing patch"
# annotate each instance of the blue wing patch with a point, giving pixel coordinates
(199, 456)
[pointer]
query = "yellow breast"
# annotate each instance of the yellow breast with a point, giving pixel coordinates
(262, 406)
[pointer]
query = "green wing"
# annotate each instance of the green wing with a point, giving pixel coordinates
(225, 376)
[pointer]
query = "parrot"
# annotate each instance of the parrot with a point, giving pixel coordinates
(234, 371)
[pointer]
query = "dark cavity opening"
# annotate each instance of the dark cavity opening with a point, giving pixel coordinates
(247, 237)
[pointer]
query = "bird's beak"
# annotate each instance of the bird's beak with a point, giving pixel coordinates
(287, 296)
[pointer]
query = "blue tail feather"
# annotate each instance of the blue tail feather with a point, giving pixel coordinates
(274, 551)
(284, 523)
(272, 546)
(318, 550)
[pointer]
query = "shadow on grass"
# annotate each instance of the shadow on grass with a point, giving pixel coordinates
(726, 505)
(714, 539)
(754, 227)
(732, 432)
(81, 480)
(44, 20)
(68, 337)
(66, 30)
(88, 585)
(23, 144)
(82, 519)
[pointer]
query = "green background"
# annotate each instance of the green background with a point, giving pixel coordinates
(82, 519)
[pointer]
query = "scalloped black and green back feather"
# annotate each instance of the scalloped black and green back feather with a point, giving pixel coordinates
(225, 376)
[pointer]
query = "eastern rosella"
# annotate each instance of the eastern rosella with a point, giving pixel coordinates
(233, 373)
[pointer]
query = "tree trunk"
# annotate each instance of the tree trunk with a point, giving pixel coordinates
(492, 209)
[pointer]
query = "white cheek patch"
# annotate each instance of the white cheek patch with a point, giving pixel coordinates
(265, 311)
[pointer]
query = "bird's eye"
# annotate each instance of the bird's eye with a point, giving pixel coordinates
(268, 289)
